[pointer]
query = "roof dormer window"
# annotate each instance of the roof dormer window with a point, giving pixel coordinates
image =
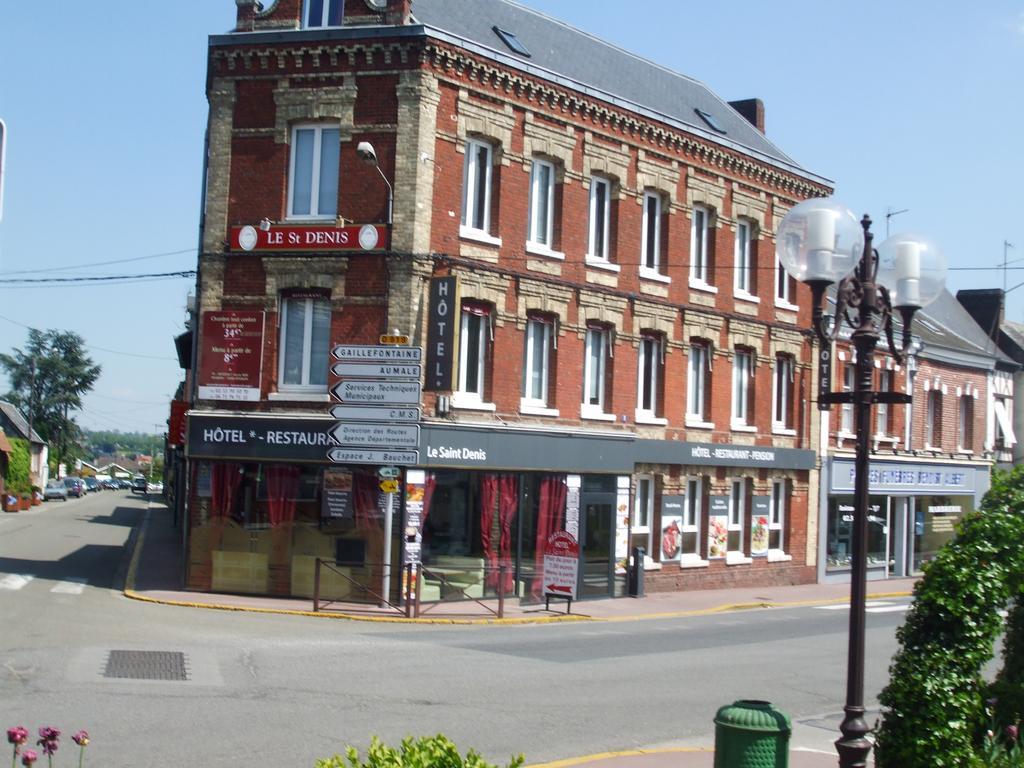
(323, 13)
(513, 42)
(711, 120)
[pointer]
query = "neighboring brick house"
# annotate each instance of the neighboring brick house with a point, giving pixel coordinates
(931, 459)
(631, 365)
(16, 425)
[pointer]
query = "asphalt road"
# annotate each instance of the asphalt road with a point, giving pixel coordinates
(266, 690)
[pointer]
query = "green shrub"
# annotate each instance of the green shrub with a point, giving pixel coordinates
(425, 752)
(17, 480)
(1008, 687)
(933, 713)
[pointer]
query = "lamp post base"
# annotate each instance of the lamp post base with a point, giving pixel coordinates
(854, 747)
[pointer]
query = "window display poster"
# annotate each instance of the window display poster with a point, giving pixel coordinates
(718, 527)
(572, 505)
(759, 520)
(671, 537)
(231, 355)
(204, 484)
(621, 524)
(337, 495)
(413, 530)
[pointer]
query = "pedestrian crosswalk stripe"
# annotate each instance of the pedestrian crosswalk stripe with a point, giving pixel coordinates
(15, 581)
(872, 606)
(890, 608)
(73, 586)
(843, 606)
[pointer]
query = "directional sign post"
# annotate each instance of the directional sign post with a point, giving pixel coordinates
(377, 392)
(347, 369)
(394, 414)
(368, 435)
(369, 353)
(368, 456)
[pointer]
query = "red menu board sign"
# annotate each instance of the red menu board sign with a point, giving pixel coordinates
(357, 237)
(231, 355)
(176, 432)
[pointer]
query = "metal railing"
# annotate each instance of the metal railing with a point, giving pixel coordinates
(359, 586)
(452, 589)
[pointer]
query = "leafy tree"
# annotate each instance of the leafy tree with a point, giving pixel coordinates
(49, 378)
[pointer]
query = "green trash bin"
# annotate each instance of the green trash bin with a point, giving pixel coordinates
(751, 734)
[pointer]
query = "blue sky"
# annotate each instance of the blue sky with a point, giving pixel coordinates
(911, 105)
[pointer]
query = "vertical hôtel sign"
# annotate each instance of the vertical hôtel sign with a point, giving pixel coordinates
(442, 334)
(231, 355)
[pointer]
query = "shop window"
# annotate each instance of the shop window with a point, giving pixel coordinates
(305, 342)
(324, 13)
(744, 267)
(542, 205)
(700, 244)
(965, 424)
(476, 187)
(595, 370)
(697, 383)
(650, 245)
(649, 374)
(600, 218)
(537, 362)
(883, 413)
(742, 386)
(782, 394)
(778, 508)
(313, 172)
(643, 513)
(846, 409)
(839, 543)
(693, 512)
(738, 511)
(474, 342)
(933, 419)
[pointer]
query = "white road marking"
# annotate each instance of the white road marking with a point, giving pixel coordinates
(72, 586)
(15, 581)
(890, 608)
(844, 606)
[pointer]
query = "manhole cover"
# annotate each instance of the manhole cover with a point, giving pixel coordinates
(147, 665)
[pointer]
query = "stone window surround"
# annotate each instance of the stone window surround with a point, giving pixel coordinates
(323, 105)
(479, 120)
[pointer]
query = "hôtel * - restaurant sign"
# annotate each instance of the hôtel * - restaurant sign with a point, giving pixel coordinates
(356, 237)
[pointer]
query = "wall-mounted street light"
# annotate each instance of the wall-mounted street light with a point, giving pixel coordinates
(368, 155)
(821, 243)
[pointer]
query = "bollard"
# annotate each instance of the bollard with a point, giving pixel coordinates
(636, 574)
(751, 734)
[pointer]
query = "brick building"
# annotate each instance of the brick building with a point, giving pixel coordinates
(586, 241)
(931, 459)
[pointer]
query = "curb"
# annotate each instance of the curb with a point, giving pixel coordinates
(569, 761)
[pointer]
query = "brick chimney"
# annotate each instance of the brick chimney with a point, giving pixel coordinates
(398, 12)
(245, 14)
(752, 110)
(986, 306)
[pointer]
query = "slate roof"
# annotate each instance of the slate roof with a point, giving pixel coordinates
(18, 422)
(560, 51)
(947, 325)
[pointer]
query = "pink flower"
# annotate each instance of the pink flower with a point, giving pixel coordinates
(48, 737)
(81, 738)
(17, 736)
(1011, 732)
(29, 757)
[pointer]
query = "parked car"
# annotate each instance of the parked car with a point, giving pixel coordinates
(155, 487)
(75, 486)
(92, 484)
(55, 489)
(138, 484)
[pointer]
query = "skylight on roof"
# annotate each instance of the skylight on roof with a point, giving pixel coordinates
(710, 119)
(513, 42)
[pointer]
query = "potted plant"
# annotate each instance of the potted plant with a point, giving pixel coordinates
(37, 495)
(25, 502)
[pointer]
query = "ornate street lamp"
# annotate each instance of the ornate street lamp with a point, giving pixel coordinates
(820, 243)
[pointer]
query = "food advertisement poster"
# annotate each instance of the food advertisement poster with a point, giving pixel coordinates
(759, 526)
(231, 355)
(622, 525)
(671, 527)
(718, 527)
(572, 505)
(415, 492)
(337, 496)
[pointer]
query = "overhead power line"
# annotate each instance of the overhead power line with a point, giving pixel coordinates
(97, 263)
(94, 278)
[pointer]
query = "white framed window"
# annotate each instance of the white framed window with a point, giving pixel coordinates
(883, 425)
(305, 343)
(783, 284)
(933, 419)
(643, 513)
(536, 357)
(648, 375)
(777, 514)
(476, 187)
(699, 256)
(313, 172)
(743, 267)
(965, 424)
(742, 387)
(651, 240)
(474, 336)
(698, 370)
(846, 412)
(595, 369)
(693, 511)
(600, 216)
(782, 393)
(542, 204)
(324, 13)
(737, 513)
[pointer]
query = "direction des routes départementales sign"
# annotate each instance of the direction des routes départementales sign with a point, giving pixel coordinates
(561, 565)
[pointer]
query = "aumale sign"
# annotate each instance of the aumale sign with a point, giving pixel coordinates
(347, 370)
(365, 237)
(442, 339)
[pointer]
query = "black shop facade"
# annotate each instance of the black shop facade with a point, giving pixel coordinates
(265, 502)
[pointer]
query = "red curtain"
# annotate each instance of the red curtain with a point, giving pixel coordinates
(551, 507)
(488, 495)
(282, 489)
(225, 478)
(364, 493)
(508, 504)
